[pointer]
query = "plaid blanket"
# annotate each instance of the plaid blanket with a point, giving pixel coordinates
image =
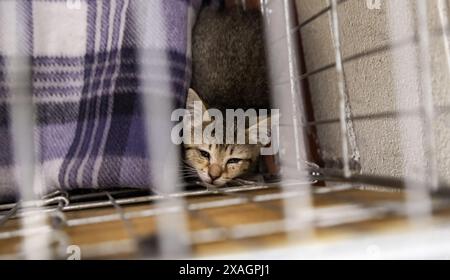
(85, 83)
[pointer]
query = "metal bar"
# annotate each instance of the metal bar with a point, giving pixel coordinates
(342, 86)
(243, 196)
(325, 220)
(445, 25)
(228, 202)
(126, 222)
(14, 15)
(36, 203)
(324, 216)
(158, 105)
(394, 183)
(397, 184)
(282, 60)
(299, 210)
(150, 198)
(9, 214)
(406, 74)
(427, 94)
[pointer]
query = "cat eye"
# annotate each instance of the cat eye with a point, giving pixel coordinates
(234, 160)
(204, 154)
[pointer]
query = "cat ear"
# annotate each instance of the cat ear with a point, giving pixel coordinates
(192, 99)
(260, 133)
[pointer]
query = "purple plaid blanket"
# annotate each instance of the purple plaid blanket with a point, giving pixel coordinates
(89, 125)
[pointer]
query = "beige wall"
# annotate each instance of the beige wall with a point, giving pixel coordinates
(379, 84)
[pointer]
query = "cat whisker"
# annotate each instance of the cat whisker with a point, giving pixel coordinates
(190, 175)
(187, 170)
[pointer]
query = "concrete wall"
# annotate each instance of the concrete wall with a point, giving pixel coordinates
(379, 85)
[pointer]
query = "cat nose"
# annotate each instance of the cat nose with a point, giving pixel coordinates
(215, 171)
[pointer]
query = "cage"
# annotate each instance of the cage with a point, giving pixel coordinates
(361, 87)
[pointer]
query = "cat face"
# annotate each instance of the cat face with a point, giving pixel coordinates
(219, 164)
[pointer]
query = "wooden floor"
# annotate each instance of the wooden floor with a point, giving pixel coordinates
(94, 238)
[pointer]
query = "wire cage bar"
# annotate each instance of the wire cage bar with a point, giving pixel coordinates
(291, 217)
(22, 122)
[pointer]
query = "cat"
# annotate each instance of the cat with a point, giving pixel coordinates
(220, 163)
(228, 72)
